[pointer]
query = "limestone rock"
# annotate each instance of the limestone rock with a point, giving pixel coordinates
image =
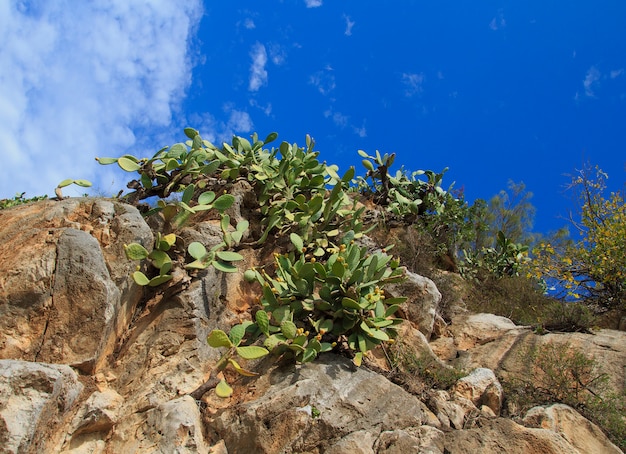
(423, 440)
(423, 301)
(177, 427)
(501, 435)
(481, 387)
(347, 400)
(98, 414)
(35, 399)
(478, 329)
(582, 434)
(360, 442)
(451, 411)
(65, 287)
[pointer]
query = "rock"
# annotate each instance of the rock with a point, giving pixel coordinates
(177, 427)
(348, 400)
(66, 296)
(481, 387)
(423, 301)
(360, 442)
(66, 293)
(35, 399)
(410, 344)
(473, 330)
(452, 412)
(98, 414)
(582, 434)
(423, 440)
(444, 348)
(497, 436)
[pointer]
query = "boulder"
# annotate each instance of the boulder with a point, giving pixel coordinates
(423, 440)
(35, 401)
(66, 293)
(580, 433)
(176, 426)
(346, 400)
(497, 436)
(482, 388)
(422, 302)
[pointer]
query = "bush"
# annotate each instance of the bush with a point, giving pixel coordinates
(419, 374)
(19, 199)
(514, 297)
(559, 373)
(593, 266)
(569, 317)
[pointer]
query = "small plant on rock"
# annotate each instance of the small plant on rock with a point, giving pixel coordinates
(19, 199)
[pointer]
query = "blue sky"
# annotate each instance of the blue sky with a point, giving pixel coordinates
(494, 90)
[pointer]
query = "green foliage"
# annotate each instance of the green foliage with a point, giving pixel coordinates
(402, 194)
(58, 190)
(313, 303)
(567, 316)
(421, 373)
(505, 259)
(592, 267)
(558, 372)
(164, 246)
(325, 290)
(495, 235)
(511, 213)
(19, 199)
(218, 338)
(67, 182)
(608, 412)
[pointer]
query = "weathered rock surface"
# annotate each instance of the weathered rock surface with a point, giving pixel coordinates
(422, 302)
(496, 343)
(65, 290)
(565, 421)
(481, 387)
(35, 399)
(91, 363)
(316, 406)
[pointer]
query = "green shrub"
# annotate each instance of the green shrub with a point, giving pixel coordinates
(323, 291)
(514, 297)
(559, 373)
(567, 316)
(19, 199)
(421, 373)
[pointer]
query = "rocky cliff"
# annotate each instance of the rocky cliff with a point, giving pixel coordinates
(92, 363)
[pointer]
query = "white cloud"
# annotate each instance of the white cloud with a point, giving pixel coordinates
(313, 3)
(324, 81)
(616, 73)
(361, 131)
(277, 54)
(78, 79)
(266, 109)
(249, 24)
(239, 122)
(498, 22)
(218, 131)
(591, 81)
(349, 25)
(412, 83)
(342, 121)
(258, 73)
(338, 118)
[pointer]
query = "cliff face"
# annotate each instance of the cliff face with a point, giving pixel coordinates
(92, 363)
